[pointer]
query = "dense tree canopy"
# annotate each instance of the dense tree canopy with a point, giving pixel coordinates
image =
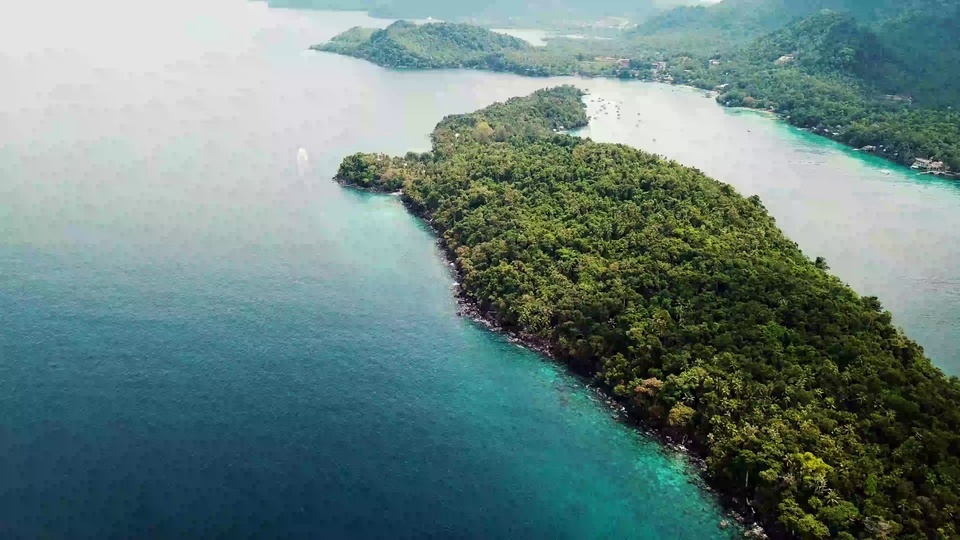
(690, 305)
(454, 45)
(855, 85)
(739, 21)
(525, 13)
(888, 81)
(439, 45)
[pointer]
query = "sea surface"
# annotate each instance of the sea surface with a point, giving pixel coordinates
(200, 337)
(884, 229)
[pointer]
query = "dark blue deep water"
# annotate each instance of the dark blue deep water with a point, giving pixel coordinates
(156, 395)
(197, 340)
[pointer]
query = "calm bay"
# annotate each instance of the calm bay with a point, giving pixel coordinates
(198, 340)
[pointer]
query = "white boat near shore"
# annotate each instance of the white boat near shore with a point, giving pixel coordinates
(303, 161)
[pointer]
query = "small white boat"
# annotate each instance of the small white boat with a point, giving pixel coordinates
(303, 160)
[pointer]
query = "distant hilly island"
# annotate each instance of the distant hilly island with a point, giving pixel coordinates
(880, 76)
(550, 13)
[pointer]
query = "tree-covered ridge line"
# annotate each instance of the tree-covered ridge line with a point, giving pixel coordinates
(688, 303)
(744, 20)
(826, 73)
(567, 14)
(840, 79)
(406, 45)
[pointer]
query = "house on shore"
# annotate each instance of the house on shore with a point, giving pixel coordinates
(928, 165)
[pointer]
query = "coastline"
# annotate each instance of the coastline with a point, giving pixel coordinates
(739, 512)
(776, 115)
(708, 92)
(732, 392)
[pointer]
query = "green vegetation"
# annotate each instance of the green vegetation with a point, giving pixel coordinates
(877, 74)
(527, 13)
(838, 78)
(442, 45)
(405, 45)
(740, 21)
(882, 76)
(690, 305)
(379, 172)
(728, 23)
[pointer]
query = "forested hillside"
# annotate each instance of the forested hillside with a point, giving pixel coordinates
(841, 79)
(835, 45)
(689, 304)
(876, 89)
(928, 44)
(406, 45)
(919, 39)
(725, 24)
(743, 20)
(438, 45)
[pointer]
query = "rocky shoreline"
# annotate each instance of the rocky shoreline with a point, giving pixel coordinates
(714, 92)
(739, 511)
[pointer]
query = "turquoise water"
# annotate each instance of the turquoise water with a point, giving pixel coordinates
(882, 228)
(197, 341)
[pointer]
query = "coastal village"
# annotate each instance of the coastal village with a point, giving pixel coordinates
(930, 166)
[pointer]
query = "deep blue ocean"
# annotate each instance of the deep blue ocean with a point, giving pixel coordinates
(199, 341)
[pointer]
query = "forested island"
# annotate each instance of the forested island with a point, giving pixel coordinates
(555, 14)
(883, 77)
(685, 301)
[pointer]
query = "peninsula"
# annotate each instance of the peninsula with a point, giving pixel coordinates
(870, 84)
(686, 302)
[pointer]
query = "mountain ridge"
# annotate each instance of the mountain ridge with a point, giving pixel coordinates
(551, 13)
(827, 73)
